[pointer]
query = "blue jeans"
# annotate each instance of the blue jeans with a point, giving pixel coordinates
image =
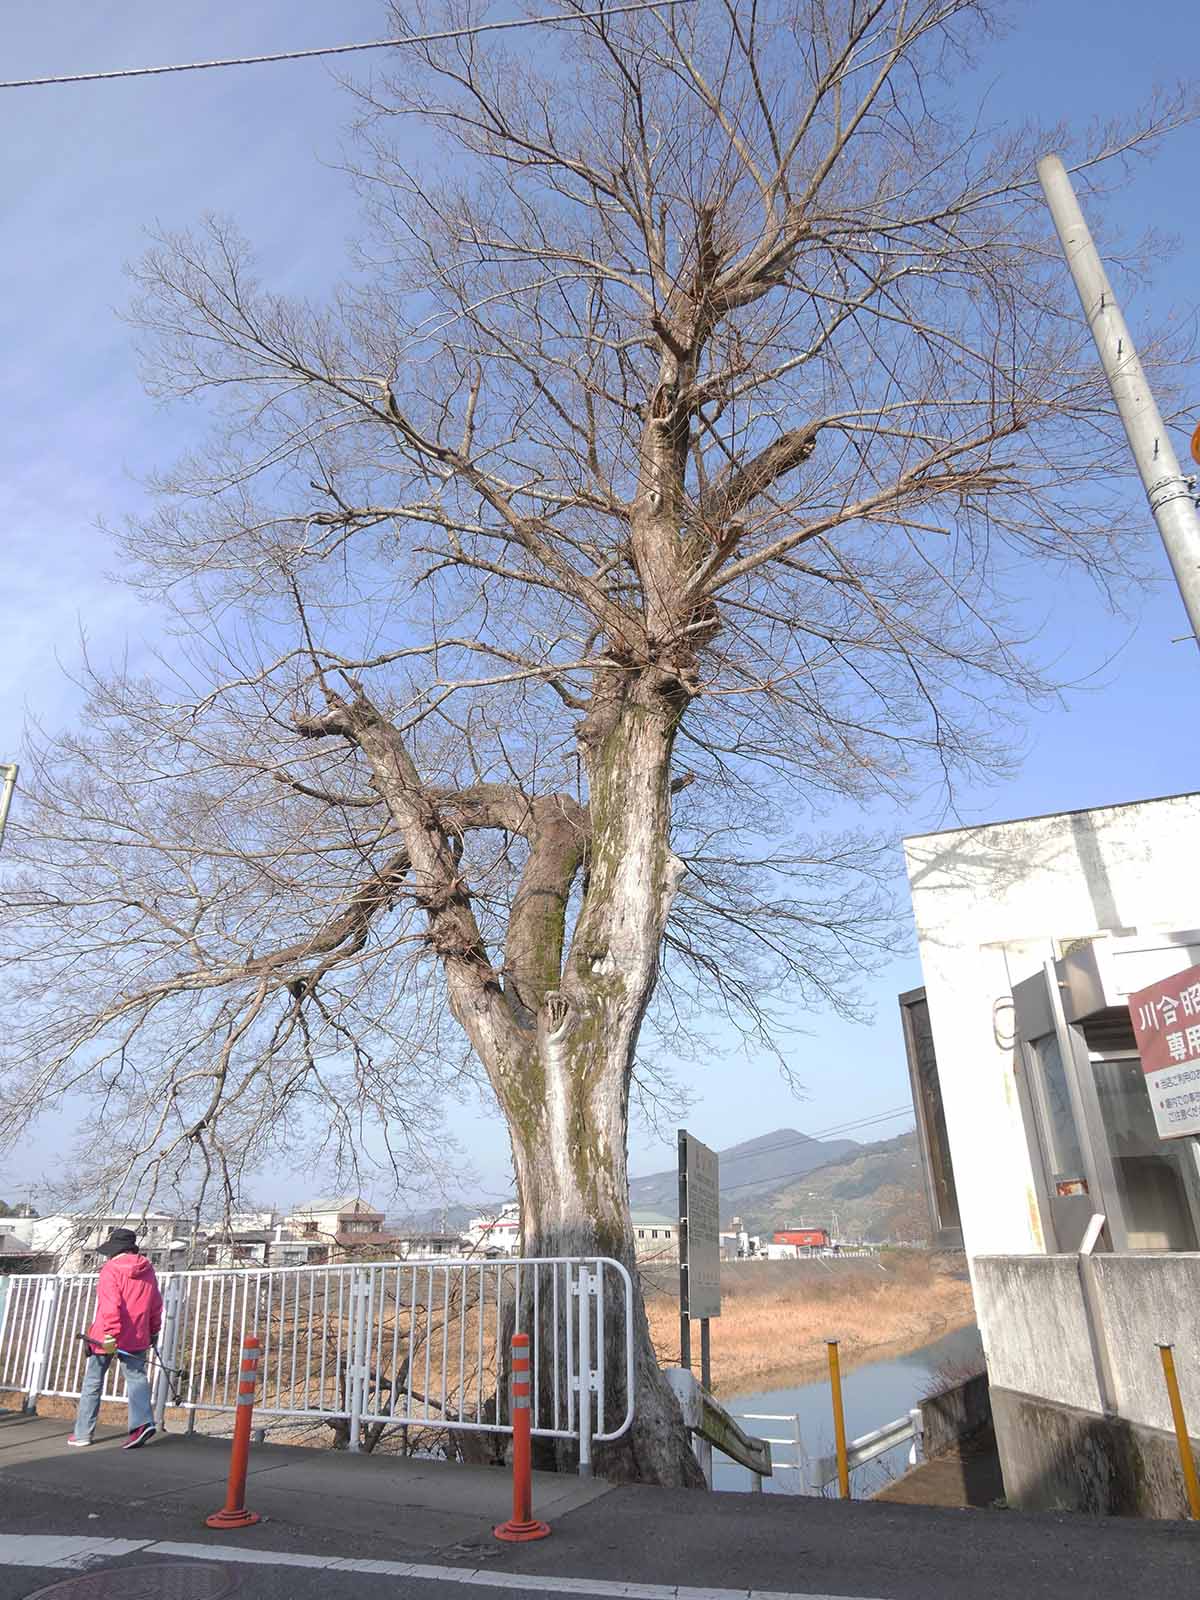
(137, 1387)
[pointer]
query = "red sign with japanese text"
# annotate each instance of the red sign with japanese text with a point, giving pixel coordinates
(1166, 1024)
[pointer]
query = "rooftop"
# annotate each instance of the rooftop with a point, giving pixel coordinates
(1046, 816)
(338, 1203)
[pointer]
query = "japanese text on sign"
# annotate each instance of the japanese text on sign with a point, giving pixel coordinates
(703, 1201)
(1166, 1023)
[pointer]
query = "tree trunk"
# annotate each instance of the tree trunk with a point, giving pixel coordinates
(569, 1120)
(579, 1206)
(561, 1058)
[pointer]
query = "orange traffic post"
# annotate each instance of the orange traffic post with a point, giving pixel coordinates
(233, 1513)
(522, 1524)
(839, 1419)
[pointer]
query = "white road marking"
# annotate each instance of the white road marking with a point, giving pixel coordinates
(62, 1550)
(58, 1550)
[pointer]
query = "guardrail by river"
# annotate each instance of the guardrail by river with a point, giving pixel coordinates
(817, 1472)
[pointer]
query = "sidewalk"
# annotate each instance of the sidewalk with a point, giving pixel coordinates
(416, 1508)
(633, 1543)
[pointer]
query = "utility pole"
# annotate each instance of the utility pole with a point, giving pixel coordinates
(1168, 491)
(8, 782)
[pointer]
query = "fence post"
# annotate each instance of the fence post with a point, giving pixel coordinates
(40, 1344)
(4, 1283)
(168, 1344)
(917, 1453)
(583, 1288)
(233, 1513)
(803, 1468)
(356, 1342)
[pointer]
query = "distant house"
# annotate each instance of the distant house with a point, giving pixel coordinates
(246, 1248)
(804, 1239)
(70, 1240)
(655, 1236)
(341, 1224)
(496, 1232)
(287, 1252)
(427, 1244)
(17, 1255)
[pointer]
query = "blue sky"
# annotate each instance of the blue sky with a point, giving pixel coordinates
(89, 168)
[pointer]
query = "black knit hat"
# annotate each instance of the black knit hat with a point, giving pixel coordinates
(118, 1242)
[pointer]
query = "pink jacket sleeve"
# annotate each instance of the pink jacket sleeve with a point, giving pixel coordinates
(155, 1311)
(108, 1304)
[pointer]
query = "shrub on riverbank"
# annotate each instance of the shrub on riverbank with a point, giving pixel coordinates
(776, 1315)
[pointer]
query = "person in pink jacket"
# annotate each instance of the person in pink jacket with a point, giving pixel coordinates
(128, 1316)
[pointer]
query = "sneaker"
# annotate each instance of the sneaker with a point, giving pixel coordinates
(79, 1444)
(139, 1436)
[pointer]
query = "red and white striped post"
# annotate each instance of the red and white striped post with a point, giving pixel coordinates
(233, 1513)
(522, 1524)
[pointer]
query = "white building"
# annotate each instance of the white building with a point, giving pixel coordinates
(71, 1239)
(655, 1237)
(496, 1232)
(428, 1244)
(255, 1221)
(499, 1233)
(333, 1226)
(1035, 1119)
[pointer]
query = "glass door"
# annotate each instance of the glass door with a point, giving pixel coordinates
(1055, 1117)
(1157, 1186)
(1092, 1130)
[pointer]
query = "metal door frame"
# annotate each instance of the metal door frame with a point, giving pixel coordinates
(1038, 1014)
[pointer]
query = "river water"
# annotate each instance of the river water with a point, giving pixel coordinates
(872, 1394)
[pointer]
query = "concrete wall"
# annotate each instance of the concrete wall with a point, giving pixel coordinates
(1145, 1301)
(1035, 1330)
(1055, 1458)
(1059, 1448)
(991, 905)
(948, 1417)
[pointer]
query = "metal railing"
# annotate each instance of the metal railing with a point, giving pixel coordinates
(817, 1472)
(396, 1343)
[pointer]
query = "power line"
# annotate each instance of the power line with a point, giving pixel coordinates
(805, 1138)
(821, 1133)
(343, 49)
(777, 1178)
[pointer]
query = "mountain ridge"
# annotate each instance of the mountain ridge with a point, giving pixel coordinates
(786, 1177)
(768, 1158)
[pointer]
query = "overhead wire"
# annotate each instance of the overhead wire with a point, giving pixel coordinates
(876, 1117)
(821, 1133)
(777, 1178)
(343, 49)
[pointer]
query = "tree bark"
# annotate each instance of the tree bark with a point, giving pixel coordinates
(557, 1037)
(569, 1124)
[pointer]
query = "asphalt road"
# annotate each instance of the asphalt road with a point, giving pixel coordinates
(633, 1544)
(163, 1578)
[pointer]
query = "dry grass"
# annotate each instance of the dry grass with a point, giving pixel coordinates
(776, 1316)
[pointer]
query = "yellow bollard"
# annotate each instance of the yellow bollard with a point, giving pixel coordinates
(839, 1419)
(1181, 1431)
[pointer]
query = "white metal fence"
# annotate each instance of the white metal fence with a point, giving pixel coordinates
(817, 1472)
(388, 1343)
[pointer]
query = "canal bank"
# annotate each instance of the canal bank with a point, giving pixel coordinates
(776, 1315)
(874, 1391)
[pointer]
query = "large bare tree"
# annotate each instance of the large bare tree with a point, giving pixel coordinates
(705, 406)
